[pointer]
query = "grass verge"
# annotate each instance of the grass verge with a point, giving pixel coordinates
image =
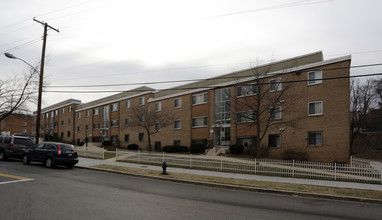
(260, 185)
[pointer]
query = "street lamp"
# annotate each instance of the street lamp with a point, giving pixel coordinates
(11, 56)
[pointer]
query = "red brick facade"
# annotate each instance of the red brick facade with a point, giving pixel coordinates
(319, 109)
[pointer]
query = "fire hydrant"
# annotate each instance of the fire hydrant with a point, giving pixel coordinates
(164, 167)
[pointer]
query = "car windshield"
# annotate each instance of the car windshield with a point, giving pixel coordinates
(23, 141)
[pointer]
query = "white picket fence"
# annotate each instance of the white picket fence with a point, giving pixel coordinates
(97, 153)
(361, 172)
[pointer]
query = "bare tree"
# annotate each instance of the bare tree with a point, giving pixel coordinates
(377, 90)
(17, 91)
(262, 102)
(361, 100)
(151, 121)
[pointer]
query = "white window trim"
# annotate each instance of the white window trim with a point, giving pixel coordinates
(280, 85)
(281, 111)
(87, 113)
(180, 124)
(315, 81)
(111, 106)
(79, 115)
(322, 108)
(201, 126)
(180, 103)
(246, 94)
(127, 104)
(159, 105)
(200, 94)
(278, 146)
(322, 139)
(143, 101)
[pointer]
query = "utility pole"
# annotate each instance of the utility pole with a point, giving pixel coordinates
(46, 26)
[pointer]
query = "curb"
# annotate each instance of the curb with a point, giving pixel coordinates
(244, 188)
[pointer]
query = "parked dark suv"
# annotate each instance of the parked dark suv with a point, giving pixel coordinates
(14, 146)
(51, 154)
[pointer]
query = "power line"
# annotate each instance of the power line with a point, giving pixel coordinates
(195, 80)
(211, 87)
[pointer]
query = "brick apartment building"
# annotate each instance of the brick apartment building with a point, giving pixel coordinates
(310, 112)
(17, 123)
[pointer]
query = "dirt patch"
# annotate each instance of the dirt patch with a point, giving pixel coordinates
(298, 188)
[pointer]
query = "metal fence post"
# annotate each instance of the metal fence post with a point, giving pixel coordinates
(190, 161)
(116, 154)
(163, 157)
(138, 157)
(255, 166)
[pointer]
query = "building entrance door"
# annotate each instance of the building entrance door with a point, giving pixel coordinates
(222, 136)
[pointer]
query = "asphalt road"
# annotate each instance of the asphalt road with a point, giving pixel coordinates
(62, 193)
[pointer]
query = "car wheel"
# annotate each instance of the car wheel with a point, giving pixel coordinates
(49, 163)
(2, 155)
(25, 159)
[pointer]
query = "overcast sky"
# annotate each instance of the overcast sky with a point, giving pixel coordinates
(122, 42)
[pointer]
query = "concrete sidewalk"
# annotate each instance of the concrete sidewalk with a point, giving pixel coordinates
(88, 163)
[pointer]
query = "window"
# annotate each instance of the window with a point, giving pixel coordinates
(247, 90)
(176, 142)
(68, 121)
(69, 108)
(79, 115)
(96, 111)
(158, 106)
(199, 99)
(177, 103)
(141, 100)
(199, 122)
(177, 124)
(114, 123)
(127, 137)
(315, 108)
(47, 115)
(274, 140)
(78, 128)
(158, 126)
(55, 112)
(275, 85)
(87, 113)
(63, 110)
(142, 119)
(127, 104)
(95, 126)
(245, 117)
(127, 122)
(86, 127)
(114, 107)
(62, 122)
(275, 113)
(248, 141)
(25, 124)
(315, 138)
(141, 137)
(68, 133)
(315, 77)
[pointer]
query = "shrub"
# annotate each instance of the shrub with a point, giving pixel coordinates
(295, 155)
(175, 149)
(106, 143)
(236, 149)
(81, 144)
(197, 148)
(133, 147)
